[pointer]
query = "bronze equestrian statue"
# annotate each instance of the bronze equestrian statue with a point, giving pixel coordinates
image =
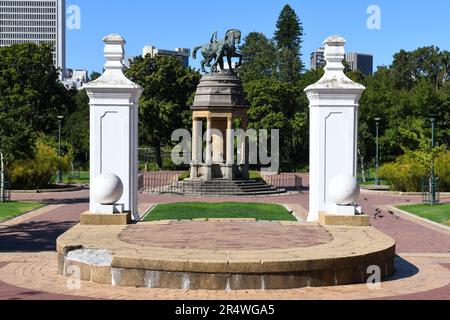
(217, 50)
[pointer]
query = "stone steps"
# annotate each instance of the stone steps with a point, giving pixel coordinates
(220, 187)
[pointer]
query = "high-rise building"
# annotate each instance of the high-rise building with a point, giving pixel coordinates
(75, 78)
(360, 61)
(34, 21)
(181, 53)
(318, 59)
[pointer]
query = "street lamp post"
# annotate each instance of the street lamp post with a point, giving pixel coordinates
(377, 160)
(60, 118)
(433, 173)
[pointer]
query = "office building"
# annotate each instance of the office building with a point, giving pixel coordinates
(182, 53)
(360, 61)
(75, 79)
(318, 59)
(34, 21)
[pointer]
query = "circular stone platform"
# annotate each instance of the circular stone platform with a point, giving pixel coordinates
(226, 236)
(225, 255)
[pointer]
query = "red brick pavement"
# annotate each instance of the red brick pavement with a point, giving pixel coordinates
(39, 233)
(226, 235)
(8, 292)
(410, 236)
(437, 294)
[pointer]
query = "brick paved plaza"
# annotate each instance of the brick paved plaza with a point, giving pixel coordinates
(28, 261)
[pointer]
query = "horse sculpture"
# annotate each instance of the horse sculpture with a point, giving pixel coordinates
(218, 49)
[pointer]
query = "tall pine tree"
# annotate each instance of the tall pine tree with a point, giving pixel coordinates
(288, 38)
(259, 60)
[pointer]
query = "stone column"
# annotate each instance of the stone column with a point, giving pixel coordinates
(208, 158)
(244, 151)
(196, 147)
(230, 149)
(114, 136)
(333, 134)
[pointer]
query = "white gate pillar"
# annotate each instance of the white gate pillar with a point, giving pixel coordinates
(113, 136)
(334, 103)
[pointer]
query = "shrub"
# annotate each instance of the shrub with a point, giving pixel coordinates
(185, 175)
(40, 171)
(443, 171)
(407, 172)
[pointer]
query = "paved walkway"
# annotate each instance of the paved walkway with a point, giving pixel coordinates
(217, 236)
(28, 262)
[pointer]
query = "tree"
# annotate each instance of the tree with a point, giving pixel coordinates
(428, 63)
(94, 75)
(280, 105)
(31, 96)
(168, 87)
(405, 95)
(259, 59)
(288, 38)
(76, 128)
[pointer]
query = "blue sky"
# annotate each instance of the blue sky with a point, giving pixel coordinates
(183, 23)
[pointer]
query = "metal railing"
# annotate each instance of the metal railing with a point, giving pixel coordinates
(287, 181)
(158, 183)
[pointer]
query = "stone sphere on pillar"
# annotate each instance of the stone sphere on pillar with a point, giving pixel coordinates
(344, 189)
(108, 189)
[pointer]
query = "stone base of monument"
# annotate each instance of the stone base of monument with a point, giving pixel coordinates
(225, 255)
(115, 219)
(326, 219)
(344, 215)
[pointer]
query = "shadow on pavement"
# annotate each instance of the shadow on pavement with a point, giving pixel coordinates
(403, 270)
(33, 236)
(65, 201)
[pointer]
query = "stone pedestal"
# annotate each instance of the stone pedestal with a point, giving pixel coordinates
(218, 101)
(118, 219)
(327, 219)
(113, 130)
(333, 130)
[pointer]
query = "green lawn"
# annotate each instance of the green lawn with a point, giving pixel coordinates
(200, 210)
(9, 210)
(83, 179)
(439, 214)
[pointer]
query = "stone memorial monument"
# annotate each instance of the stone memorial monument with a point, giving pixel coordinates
(219, 100)
(333, 141)
(113, 141)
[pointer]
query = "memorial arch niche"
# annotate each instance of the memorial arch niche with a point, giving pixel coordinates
(219, 101)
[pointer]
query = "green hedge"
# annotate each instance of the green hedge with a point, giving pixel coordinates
(407, 173)
(39, 172)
